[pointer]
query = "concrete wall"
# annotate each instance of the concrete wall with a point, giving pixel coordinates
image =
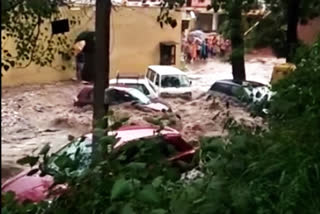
(135, 44)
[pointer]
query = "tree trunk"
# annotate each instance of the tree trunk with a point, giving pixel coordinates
(292, 34)
(237, 55)
(101, 68)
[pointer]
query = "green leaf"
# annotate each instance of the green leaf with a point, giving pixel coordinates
(127, 210)
(8, 197)
(157, 181)
(148, 195)
(120, 188)
(158, 211)
(31, 160)
(137, 166)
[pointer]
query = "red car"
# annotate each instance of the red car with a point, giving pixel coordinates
(115, 95)
(35, 188)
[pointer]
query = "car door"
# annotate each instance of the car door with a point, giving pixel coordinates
(151, 76)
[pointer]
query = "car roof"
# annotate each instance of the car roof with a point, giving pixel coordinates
(230, 82)
(233, 82)
(129, 133)
(166, 70)
(127, 80)
(123, 88)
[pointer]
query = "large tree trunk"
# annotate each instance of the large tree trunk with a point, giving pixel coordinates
(237, 55)
(292, 34)
(101, 77)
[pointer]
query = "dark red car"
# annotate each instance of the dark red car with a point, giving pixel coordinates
(35, 188)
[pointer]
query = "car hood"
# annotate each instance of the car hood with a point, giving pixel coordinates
(157, 106)
(33, 188)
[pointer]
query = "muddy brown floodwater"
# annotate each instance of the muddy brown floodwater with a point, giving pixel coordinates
(35, 115)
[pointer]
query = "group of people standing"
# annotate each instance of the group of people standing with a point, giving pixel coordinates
(196, 49)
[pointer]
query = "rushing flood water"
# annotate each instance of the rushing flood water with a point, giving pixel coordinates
(33, 116)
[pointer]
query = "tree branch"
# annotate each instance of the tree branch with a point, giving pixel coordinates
(35, 43)
(4, 10)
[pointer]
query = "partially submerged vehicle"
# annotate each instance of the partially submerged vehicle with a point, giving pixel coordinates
(36, 188)
(168, 81)
(115, 95)
(134, 81)
(248, 92)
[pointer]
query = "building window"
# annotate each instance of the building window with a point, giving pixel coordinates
(168, 53)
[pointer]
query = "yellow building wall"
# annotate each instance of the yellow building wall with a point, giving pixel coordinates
(50, 73)
(135, 44)
(136, 37)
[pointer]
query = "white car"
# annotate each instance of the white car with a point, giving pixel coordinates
(118, 95)
(134, 82)
(168, 81)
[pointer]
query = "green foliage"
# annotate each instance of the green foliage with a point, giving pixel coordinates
(272, 30)
(164, 18)
(25, 22)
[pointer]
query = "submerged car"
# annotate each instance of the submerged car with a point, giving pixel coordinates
(36, 188)
(255, 91)
(134, 82)
(256, 94)
(168, 81)
(115, 95)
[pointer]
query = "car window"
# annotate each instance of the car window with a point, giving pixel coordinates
(174, 81)
(115, 97)
(222, 88)
(110, 96)
(125, 97)
(236, 91)
(140, 87)
(139, 96)
(80, 149)
(157, 81)
(151, 75)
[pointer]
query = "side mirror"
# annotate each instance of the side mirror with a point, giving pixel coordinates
(190, 82)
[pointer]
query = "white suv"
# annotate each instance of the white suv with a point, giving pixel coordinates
(134, 82)
(168, 81)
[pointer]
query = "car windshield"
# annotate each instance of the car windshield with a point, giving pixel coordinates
(176, 81)
(80, 149)
(140, 87)
(140, 96)
(79, 152)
